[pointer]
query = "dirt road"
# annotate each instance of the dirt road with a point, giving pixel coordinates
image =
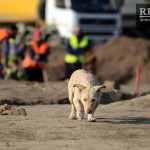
(120, 126)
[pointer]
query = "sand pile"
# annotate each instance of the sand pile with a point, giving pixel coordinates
(117, 60)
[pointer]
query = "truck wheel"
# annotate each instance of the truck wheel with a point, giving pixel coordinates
(41, 9)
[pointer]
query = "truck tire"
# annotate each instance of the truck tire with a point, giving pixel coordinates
(41, 9)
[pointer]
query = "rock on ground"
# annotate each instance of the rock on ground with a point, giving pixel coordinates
(12, 110)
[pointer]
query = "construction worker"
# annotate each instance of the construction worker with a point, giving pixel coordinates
(7, 47)
(4, 35)
(35, 58)
(24, 43)
(13, 71)
(77, 47)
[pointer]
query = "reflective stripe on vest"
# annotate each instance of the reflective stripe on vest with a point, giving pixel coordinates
(38, 49)
(71, 58)
(27, 43)
(83, 59)
(19, 74)
(12, 51)
(8, 71)
(11, 41)
(75, 44)
(28, 62)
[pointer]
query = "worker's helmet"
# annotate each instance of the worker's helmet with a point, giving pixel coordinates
(37, 33)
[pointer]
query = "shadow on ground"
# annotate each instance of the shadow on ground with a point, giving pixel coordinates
(128, 120)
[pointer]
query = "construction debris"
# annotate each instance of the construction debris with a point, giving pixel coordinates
(12, 110)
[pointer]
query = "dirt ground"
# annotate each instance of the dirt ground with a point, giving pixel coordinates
(122, 125)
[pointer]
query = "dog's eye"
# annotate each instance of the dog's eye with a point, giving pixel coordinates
(92, 100)
(84, 99)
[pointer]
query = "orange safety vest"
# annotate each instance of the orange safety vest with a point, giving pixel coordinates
(3, 34)
(28, 62)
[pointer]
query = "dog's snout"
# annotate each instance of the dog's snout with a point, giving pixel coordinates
(89, 111)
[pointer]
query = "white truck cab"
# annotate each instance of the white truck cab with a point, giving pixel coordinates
(100, 20)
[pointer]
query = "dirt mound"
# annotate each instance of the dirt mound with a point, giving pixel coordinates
(117, 60)
(26, 93)
(142, 101)
(56, 66)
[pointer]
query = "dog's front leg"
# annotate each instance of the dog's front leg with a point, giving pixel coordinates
(79, 109)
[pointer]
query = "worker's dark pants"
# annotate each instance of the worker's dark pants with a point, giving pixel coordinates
(33, 74)
(1, 68)
(70, 68)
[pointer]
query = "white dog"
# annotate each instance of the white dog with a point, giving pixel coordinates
(84, 95)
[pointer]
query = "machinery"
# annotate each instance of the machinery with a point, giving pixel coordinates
(99, 19)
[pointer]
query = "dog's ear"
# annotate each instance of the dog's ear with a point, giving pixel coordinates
(98, 88)
(79, 86)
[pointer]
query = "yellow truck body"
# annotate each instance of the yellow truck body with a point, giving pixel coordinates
(12, 11)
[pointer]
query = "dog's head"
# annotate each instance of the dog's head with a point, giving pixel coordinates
(89, 97)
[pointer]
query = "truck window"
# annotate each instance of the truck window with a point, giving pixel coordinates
(60, 3)
(95, 6)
